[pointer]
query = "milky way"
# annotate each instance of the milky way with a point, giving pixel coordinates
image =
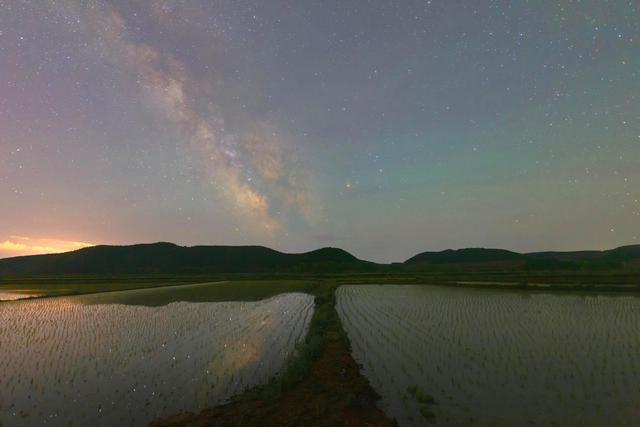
(385, 128)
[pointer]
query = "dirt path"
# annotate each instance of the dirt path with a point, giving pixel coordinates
(334, 393)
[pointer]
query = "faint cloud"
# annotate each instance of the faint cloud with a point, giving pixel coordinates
(22, 245)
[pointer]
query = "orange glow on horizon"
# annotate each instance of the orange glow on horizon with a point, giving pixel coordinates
(21, 245)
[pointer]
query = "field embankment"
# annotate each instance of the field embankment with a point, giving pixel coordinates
(252, 287)
(321, 386)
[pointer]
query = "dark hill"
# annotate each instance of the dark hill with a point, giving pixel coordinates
(625, 253)
(623, 256)
(170, 258)
(464, 256)
(481, 258)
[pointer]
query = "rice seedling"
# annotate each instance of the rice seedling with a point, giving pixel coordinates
(126, 365)
(496, 358)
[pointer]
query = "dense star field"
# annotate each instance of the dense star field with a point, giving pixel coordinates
(386, 128)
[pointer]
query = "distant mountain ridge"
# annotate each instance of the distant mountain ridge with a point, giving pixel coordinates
(623, 256)
(169, 258)
(467, 255)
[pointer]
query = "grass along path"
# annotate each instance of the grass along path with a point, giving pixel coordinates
(321, 386)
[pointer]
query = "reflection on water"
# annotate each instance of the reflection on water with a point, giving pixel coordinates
(16, 295)
(63, 362)
(498, 357)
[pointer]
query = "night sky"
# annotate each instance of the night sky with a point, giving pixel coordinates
(382, 127)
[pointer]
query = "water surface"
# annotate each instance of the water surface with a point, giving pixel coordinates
(72, 361)
(497, 357)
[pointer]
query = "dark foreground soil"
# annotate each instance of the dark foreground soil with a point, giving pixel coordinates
(333, 394)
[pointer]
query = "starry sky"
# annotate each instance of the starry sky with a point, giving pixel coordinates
(383, 127)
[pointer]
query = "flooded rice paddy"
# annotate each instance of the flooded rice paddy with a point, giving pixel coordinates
(74, 361)
(497, 358)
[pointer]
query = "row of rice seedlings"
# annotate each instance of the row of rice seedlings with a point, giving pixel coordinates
(75, 364)
(492, 357)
